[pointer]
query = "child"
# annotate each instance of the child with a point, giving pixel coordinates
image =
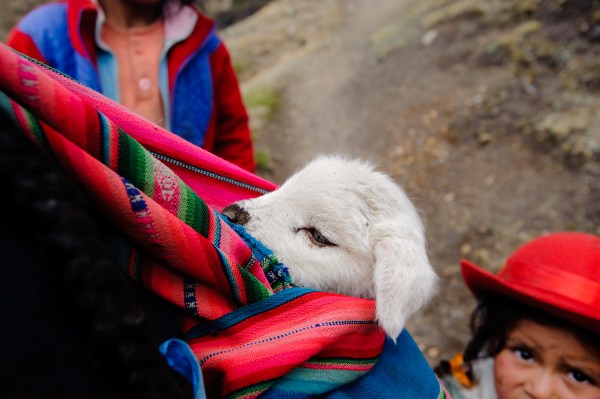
(536, 329)
(160, 58)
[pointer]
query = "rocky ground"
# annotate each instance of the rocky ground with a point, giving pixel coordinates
(486, 111)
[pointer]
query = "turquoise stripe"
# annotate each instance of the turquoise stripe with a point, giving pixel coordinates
(226, 267)
(217, 222)
(104, 139)
(246, 312)
(311, 382)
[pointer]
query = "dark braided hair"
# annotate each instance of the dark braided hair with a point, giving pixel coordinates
(73, 324)
(494, 318)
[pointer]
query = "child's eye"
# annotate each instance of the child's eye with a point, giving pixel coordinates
(579, 376)
(524, 353)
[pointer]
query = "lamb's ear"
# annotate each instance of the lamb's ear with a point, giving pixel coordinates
(404, 279)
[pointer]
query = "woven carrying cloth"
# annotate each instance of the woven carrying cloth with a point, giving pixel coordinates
(253, 334)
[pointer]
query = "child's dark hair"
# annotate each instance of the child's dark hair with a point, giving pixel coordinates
(73, 324)
(495, 316)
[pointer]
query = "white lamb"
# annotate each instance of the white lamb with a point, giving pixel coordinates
(340, 226)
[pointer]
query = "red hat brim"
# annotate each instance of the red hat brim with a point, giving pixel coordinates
(481, 281)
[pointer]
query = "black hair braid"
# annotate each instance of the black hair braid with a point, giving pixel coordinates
(482, 329)
(43, 204)
(481, 333)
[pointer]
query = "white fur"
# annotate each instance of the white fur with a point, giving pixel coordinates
(379, 249)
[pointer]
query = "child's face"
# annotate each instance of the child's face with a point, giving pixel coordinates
(544, 362)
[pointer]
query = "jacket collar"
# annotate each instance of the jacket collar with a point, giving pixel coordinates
(180, 22)
(81, 16)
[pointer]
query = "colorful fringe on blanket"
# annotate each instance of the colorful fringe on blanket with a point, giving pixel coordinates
(252, 334)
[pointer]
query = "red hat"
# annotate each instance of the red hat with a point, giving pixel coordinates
(558, 273)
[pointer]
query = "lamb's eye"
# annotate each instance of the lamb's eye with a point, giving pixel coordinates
(317, 238)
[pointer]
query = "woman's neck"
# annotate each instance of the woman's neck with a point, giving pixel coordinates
(127, 14)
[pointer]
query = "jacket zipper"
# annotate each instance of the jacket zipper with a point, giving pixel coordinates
(208, 173)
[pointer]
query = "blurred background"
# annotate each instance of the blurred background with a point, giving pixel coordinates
(485, 111)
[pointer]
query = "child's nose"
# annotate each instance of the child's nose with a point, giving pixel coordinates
(542, 385)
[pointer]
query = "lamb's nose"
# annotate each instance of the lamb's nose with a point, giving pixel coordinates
(236, 214)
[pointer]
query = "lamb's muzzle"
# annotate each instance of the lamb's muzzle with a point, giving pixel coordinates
(236, 214)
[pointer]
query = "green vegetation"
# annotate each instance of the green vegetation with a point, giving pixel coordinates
(263, 104)
(265, 101)
(263, 161)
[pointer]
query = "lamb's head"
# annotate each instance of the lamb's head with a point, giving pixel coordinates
(340, 226)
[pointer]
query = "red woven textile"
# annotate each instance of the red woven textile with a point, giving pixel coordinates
(249, 340)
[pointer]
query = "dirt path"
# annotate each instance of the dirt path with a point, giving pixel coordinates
(329, 95)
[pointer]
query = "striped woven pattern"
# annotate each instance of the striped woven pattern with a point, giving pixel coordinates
(253, 334)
